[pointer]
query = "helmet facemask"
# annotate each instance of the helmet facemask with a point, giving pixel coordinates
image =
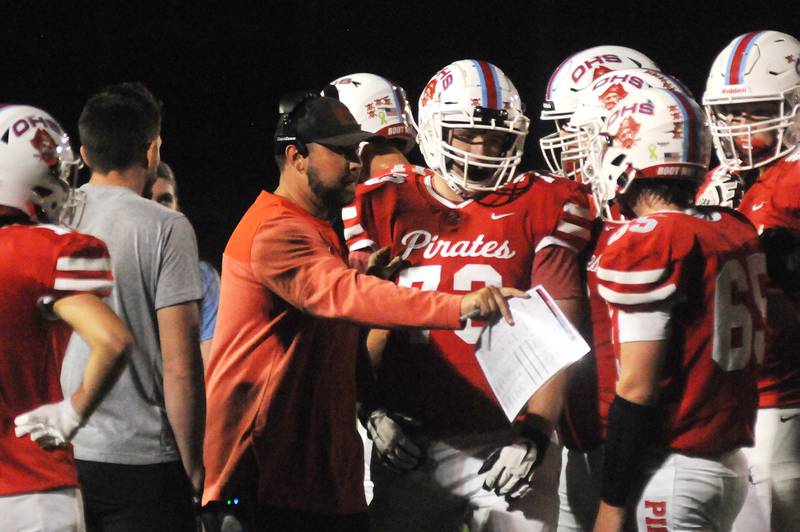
(608, 171)
(464, 170)
(739, 142)
(559, 150)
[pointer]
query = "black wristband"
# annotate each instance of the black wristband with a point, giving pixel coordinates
(539, 438)
(632, 428)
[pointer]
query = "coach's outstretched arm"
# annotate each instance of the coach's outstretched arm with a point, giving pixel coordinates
(295, 261)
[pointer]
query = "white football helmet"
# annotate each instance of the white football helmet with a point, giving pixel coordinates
(595, 105)
(471, 94)
(378, 105)
(762, 70)
(564, 89)
(650, 134)
(37, 163)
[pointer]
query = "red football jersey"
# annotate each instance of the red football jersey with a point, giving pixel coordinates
(774, 201)
(493, 240)
(694, 279)
(593, 384)
(42, 263)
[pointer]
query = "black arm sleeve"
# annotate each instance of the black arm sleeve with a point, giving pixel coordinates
(632, 429)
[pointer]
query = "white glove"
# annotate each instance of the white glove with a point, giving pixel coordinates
(510, 468)
(50, 425)
(393, 446)
(724, 190)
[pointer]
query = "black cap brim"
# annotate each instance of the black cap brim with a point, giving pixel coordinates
(349, 139)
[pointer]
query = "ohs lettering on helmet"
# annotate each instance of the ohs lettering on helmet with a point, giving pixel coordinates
(587, 66)
(636, 81)
(22, 125)
(645, 108)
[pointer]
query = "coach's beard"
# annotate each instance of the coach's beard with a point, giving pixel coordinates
(336, 197)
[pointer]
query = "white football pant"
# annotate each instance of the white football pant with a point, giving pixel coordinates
(579, 489)
(445, 493)
(774, 473)
(689, 493)
(58, 510)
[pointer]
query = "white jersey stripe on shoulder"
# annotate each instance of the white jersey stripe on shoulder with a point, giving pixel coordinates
(70, 264)
(348, 213)
(350, 232)
(574, 230)
(362, 244)
(624, 277)
(554, 241)
(578, 211)
(619, 298)
(66, 283)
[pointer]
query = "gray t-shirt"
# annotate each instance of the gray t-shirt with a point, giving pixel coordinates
(154, 259)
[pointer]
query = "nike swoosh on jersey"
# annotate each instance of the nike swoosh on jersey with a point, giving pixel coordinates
(757, 206)
(496, 216)
(784, 419)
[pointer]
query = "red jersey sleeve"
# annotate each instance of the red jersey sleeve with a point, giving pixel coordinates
(562, 216)
(362, 218)
(561, 225)
(640, 275)
(82, 266)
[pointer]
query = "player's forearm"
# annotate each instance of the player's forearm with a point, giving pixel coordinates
(545, 407)
(104, 365)
(109, 343)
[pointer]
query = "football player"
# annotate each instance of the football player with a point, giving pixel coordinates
(568, 81)
(752, 97)
(469, 219)
(592, 385)
(53, 280)
(683, 286)
(381, 107)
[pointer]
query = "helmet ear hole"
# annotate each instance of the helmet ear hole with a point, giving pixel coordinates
(42, 192)
(617, 161)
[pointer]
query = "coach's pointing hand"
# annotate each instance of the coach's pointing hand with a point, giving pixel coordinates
(488, 301)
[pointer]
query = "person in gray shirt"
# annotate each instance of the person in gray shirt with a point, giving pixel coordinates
(139, 456)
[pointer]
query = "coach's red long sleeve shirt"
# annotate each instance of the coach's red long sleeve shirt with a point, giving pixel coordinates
(280, 382)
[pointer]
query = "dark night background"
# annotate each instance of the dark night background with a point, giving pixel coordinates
(220, 68)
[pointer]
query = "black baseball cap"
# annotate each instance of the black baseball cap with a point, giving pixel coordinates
(328, 121)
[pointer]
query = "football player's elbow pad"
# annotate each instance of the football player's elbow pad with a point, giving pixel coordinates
(632, 429)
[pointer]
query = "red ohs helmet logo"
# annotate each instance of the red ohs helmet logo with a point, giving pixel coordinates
(43, 143)
(626, 134)
(427, 92)
(612, 96)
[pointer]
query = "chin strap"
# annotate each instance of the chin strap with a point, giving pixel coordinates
(461, 191)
